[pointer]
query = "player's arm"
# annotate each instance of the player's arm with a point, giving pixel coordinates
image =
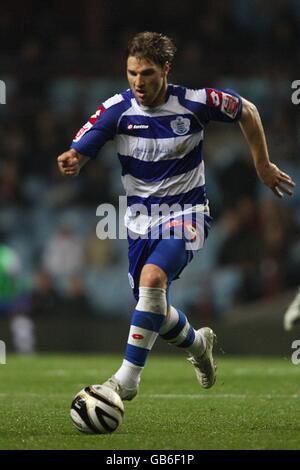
(269, 173)
(101, 127)
(71, 162)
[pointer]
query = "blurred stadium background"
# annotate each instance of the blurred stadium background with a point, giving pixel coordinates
(59, 60)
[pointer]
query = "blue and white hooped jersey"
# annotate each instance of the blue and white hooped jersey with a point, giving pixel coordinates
(160, 149)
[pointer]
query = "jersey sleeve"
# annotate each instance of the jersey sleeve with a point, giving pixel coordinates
(211, 104)
(223, 105)
(101, 127)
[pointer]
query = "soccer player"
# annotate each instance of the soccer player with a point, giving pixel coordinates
(292, 315)
(158, 130)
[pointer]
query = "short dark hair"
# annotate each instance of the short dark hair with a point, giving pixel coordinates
(154, 46)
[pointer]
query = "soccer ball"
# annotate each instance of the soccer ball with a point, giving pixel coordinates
(97, 410)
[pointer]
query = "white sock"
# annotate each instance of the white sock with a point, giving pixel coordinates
(199, 344)
(129, 375)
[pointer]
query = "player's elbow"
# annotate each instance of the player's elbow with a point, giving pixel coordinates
(250, 112)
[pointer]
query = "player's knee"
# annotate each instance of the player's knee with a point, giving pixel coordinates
(152, 279)
(153, 276)
(152, 299)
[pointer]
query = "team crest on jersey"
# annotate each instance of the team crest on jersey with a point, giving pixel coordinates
(180, 125)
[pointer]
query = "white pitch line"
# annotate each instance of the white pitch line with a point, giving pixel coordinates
(264, 372)
(200, 396)
(34, 395)
(63, 372)
(221, 396)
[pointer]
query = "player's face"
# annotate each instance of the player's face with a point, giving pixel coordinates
(147, 80)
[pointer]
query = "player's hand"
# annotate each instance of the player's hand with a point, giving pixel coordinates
(276, 179)
(69, 163)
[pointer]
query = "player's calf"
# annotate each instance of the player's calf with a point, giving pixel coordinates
(146, 322)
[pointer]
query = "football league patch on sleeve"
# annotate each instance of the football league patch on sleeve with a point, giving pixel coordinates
(87, 126)
(226, 103)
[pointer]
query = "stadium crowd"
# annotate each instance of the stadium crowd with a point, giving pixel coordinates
(57, 63)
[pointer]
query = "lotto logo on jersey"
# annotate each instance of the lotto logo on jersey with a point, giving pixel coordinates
(131, 127)
(89, 124)
(226, 103)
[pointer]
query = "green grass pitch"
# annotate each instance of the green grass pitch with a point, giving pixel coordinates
(255, 404)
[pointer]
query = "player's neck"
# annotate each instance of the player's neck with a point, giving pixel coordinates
(161, 97)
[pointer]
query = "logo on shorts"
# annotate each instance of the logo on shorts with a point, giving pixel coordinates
(180, 125)
(131, 281)
(190, 230)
